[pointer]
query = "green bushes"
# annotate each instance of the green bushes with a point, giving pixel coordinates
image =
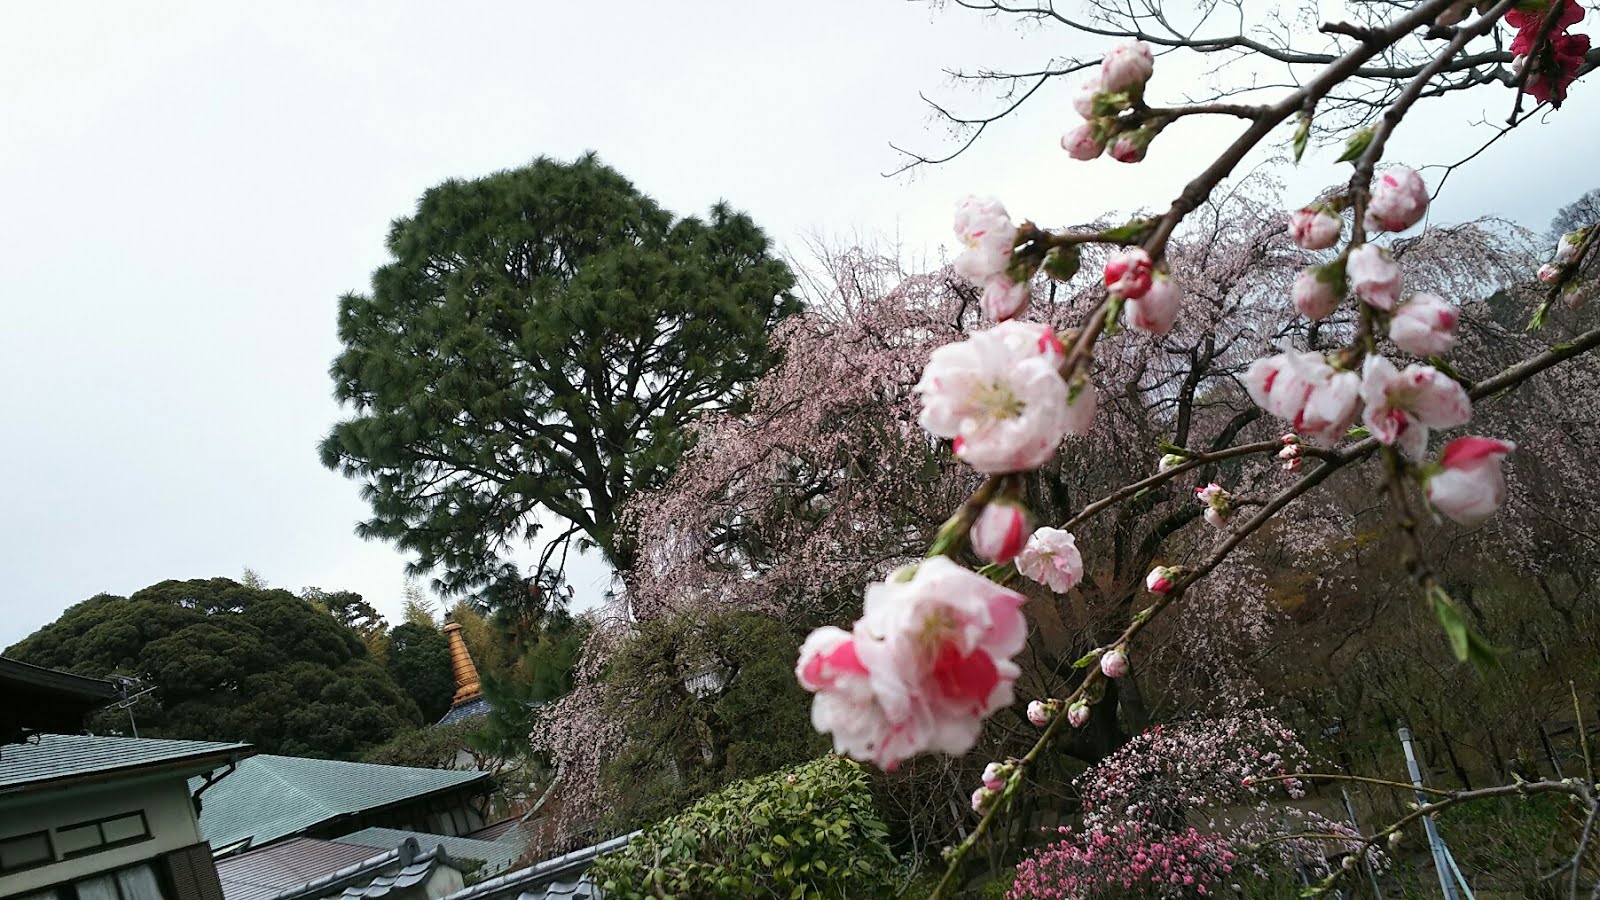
(807, 831)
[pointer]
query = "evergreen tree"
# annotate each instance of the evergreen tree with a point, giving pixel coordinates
(419, 660)
(538, 343)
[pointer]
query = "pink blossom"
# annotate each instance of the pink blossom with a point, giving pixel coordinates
(1130, 146)
(1217, 504)
(999, 396)
(1290, 454)
(1399, 200)
(1161, 579)
(1318, 291)
(1128, 272)
(1083, 142)
(1425, 325)
(1158, 308)
(1170, 461)
(1114, 663)
(1403, 405)
(1039, 713)
(1004, 299)
(981, 798)
(1469, 486)
(1550, 273)
(1301, 388)
(1000, 531)
(1374, 275)
(1567, 248)
(1127, 66)
(1078, 714)
(1051, 557)
(938, 647)
(1315, 228)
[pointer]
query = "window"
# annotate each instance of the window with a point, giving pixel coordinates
(26, 851)
(102, 834)
(134, 883)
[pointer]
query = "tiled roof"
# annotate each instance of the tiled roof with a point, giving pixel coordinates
(504, 830)
(495, 856)
(471, 709)
(265, 873)
(563, 878)
(372, 878)
(270, 797)
(53, 759)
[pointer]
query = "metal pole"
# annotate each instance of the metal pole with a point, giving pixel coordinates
(1435, 846)
(1377, 893)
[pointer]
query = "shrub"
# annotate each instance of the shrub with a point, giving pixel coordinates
(807, 831)
(1124, 862)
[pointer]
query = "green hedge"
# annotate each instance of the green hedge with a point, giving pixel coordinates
(808, 831)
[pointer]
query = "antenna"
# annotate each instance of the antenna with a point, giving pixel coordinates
(129, 691)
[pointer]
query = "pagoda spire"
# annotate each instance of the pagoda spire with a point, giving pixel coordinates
(461, 664)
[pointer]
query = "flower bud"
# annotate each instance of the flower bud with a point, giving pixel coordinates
(1114, 664)
(1424, 325)
(1550, 273)
(1082, 142)
(1078, 714)
(981, 798)
(1005, 299)
(1161, 579)
(1374, 275)
(1083, 103)
(1128, 272)
(1567, 248)
(1398, 200)
(1041, 712)
(1158, 308)
(1315, 228)
(1127, 66)
(1395, 839)
(1171, 461)
(995, 775)
(1001, 531)
(1469, 486)
(1318, 291)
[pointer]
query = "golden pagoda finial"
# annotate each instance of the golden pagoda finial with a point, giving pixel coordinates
(461, 663)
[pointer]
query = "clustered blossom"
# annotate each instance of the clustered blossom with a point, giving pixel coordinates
(1424, 325)
(1554, 64)
(1000, 397)
(1398, 200)
(989, 236)
(1217, 503)
(1468, 485)
(1304, 390)
(1051, 557)
(1122, 77)
(1125, 860)
(929, 659)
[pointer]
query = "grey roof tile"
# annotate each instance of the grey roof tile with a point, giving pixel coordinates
(55, 758)
(496, 856)
(560, 878)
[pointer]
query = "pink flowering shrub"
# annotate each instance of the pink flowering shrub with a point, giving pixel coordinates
(1126, 861)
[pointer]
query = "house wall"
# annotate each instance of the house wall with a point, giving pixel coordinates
(165, 803)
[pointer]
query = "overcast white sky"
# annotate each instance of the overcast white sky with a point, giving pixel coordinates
(187, 188)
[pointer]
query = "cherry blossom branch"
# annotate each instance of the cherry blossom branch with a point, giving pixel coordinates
(1195, 461)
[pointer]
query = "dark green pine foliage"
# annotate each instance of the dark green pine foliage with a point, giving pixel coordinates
(419, 660)
(230, 663)
(538, 344)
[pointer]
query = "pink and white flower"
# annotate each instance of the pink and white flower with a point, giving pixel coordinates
(1567, 248)
(1005, 299)
(999, 396)
(1374, 275)
(1000, 531)
(1425, 325)
(1403, 405)
(1128, 272)
(1315, 228)
(1161, 579)
(981, 798)
(1158, 308)
(1302, 389)
(988, 234)
(1114, 663)
(1083, 101)
(1318, 291)
(995, 775)
(1083, 142)
(1398, 201)
(1550, 273)
(1127, 66)
(1290, 454)
(1040, 712)
(1078, 714)
(1051, 557)
(1469, 485)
